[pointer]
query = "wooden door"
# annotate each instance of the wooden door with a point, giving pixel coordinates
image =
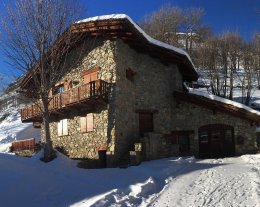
(145, 123)
(216, 143)
(204, 144)
(216, 140)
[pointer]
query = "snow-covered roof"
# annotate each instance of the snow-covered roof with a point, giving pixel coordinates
(226, 101)
(148, 38)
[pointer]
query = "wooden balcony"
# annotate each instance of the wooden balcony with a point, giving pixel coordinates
(87, 94)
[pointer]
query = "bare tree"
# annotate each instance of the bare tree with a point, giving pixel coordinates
(256, 45)
(192, 25)
(234, 55)
(36, 38)
(209, 64)
(247, 59)
(220, 58)
(164, 24)
(181, 28)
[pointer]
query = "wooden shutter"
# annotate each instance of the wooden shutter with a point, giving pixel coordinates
(86, 79)
(67, 85)
(93, 76)
(50, 92)
(90, 122)
(90, 75)
(83, 124)
(60, 128)
(65, 130)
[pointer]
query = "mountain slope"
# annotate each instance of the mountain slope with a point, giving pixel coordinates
(12, 129)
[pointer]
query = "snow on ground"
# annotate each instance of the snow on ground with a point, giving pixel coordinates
(11, 128)
(226, 182)
(165, 182)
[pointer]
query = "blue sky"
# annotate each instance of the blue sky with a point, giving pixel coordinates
(221, 15)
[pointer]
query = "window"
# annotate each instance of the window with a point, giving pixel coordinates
(129, 73)
(204, 137)
(58, 89)
(90, 75)
(63, 127)
(87, 123)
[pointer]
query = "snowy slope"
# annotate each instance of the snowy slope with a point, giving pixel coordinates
(167, 182)
(11, 128)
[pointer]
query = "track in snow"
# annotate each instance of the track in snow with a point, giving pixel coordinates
(230, 183)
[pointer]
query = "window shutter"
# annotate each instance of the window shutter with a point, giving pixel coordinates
(60, 128)
(86, 79)
(83, 124)
(65, 127)
(67, 85)
(50, 92)
(93, 76)
(90, 122)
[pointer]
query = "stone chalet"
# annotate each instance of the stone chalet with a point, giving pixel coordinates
(126, 96)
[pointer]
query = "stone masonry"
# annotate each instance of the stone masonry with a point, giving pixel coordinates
(116, 124)
(84, 145)
(192, 117)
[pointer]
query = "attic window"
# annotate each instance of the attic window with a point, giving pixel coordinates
(130, 74)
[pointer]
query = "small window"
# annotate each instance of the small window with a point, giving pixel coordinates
(58, 89)
(204, 137)
(63, 127)
(87, 123)
(130, 74)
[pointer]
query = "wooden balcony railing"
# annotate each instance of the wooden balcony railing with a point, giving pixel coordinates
(93, 90)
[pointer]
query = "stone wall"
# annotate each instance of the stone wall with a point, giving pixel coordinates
(192, 117)
(151, 89)
(117, 123)
(98, 53)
